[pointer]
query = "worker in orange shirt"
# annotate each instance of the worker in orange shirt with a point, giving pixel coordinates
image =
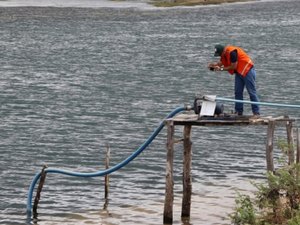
(235, 61)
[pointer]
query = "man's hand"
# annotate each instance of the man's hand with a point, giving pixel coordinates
(212, 66)
(218, 68)
(215, 67)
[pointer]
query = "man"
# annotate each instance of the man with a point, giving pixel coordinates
(234, 60)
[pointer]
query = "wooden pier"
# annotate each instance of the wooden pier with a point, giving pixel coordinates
(189, 120)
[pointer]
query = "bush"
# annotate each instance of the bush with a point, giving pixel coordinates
(277, 202)
(245, 212)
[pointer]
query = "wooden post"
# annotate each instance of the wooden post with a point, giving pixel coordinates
(106, 178)
(298, 146)
(169, 195)
(187, 179)
(269, 146)
(290, 141)
(38, 192)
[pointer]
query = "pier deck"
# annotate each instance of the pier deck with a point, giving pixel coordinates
(227, 119)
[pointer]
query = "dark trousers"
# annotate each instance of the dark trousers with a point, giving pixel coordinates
(249, 82)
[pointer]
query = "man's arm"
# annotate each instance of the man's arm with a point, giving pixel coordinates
(233, 61)
(231, 67)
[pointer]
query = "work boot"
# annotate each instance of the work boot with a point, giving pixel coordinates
(238, 113)
(256, 115)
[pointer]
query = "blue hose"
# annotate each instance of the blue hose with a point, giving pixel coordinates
(258, 103)
(102, 172)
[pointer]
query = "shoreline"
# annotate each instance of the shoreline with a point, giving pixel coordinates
(173, 3)
(116, 3)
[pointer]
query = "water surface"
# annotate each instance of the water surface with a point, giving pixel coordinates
(74, 79)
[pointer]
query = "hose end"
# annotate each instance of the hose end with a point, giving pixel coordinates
(188, 107)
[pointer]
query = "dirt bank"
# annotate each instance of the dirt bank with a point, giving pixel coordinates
(171, 3)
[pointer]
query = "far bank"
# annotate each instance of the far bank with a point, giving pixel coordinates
(172, 3)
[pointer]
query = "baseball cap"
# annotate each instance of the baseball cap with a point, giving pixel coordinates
(218, 50)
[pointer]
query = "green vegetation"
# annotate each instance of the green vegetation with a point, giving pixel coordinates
(245, 212)
(275, 203)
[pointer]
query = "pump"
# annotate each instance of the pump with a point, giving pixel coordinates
(198, 103)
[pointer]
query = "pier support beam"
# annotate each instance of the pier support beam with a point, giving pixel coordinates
(298, 146)
(269, 146)
(169, 195)
(290, 141)
(187, 178)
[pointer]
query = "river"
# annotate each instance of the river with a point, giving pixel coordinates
(76, 76)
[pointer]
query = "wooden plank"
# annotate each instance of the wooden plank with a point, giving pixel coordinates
(169, 195)
(233, 120)
(187, 178)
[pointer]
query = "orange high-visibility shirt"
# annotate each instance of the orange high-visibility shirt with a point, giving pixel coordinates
(244, 62)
